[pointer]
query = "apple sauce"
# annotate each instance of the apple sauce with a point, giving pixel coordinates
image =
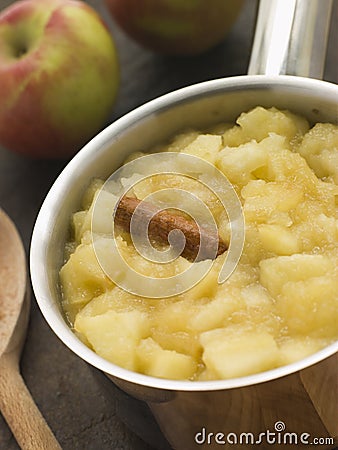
(280, 303)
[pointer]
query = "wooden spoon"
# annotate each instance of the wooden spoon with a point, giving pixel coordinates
(16, 404)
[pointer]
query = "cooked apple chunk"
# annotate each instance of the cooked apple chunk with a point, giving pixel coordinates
(276, 272)
(155, 361)
(114, 335)
(235, 353)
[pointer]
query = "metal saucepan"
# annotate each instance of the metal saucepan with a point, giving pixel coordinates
(290, 39)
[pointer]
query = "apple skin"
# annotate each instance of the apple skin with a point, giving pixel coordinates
(178, 27)
(58, 76)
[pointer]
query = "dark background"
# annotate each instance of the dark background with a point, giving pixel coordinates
(82, 408)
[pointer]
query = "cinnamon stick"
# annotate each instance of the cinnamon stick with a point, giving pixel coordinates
(163, 222)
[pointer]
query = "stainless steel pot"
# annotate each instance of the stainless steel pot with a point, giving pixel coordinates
(290, 39)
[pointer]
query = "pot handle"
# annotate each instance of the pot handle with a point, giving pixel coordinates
(291, 38)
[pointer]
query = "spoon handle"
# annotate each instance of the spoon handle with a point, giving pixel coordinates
(19, 410)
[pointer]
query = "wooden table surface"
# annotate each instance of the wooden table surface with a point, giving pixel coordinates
(82, 408)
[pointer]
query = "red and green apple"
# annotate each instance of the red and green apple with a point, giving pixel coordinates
(58, 76)
(178, 27)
